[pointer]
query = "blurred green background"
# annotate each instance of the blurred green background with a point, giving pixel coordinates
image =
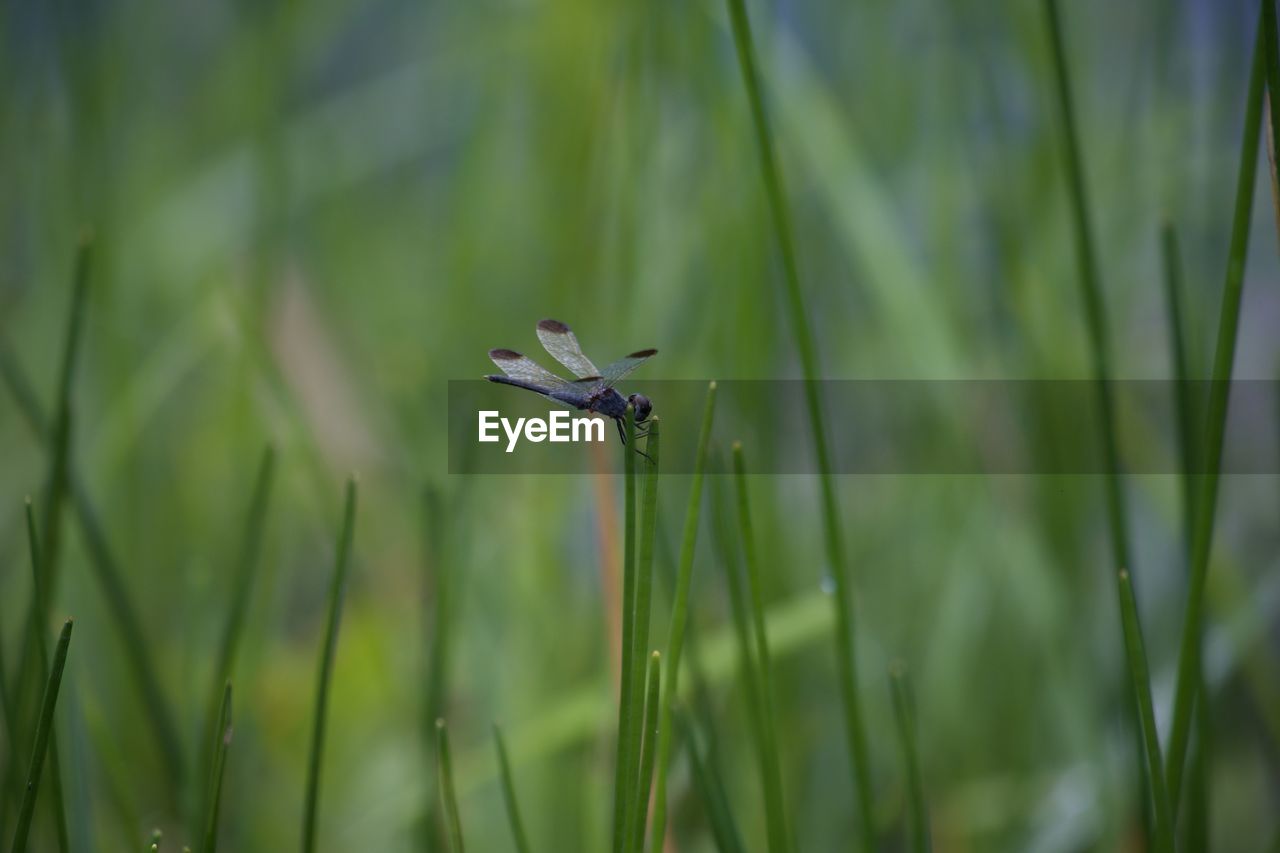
(309, 217)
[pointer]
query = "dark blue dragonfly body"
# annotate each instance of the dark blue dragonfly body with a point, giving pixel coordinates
(593, 389)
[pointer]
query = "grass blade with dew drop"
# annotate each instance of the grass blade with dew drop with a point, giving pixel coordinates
(679, 615)
(107, 572)
(648, 753)
(846, 654)
(509, 793)
(775, 809)
(448, 796)
(1100, 356)
(233, 625)
(337, 591)
(904, 712)
(1209, 459)
(44, 728)
(647, 523)
(40, 604)
(221, 743)
(622, 777)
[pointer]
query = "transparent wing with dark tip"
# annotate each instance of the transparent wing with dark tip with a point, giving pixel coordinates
(523, 372)
(623, 366)
(560, 341)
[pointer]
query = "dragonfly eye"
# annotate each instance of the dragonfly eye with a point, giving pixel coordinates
(642, 406)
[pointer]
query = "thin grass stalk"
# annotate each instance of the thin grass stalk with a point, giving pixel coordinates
(438, 643)
(679, 616)
(1100, 353)
(448, 796)
(233, 625)
(44, 728)
(1184, 406)
(11, 779)
(221, 744)
(904, 712)
(747, 665)
(107, 573)
(1210, 453)
(644, 781)
(622, 776)
(337, 591)
(509, 793)
(56, 489)
(775, 809)
(39, 600)
(647, 521)
(846, 655)
(1271, 42)
(706, 779)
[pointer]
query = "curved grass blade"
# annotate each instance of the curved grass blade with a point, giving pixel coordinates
(679, 616)
(222, 742)
(846, 655)
(905, 714)
(1210, 456)
(771, 767)
(40, 605)
(644, 782)
(107, 572)
(44, 728)
(622, 777)
(233, 625)
(509, 793)
(1100, 352)
(448, 796)
(1271, 42)
(337, 591)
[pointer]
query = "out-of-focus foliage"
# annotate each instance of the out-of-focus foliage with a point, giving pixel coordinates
(309, 217)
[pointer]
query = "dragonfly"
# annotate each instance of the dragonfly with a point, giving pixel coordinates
(593, 389)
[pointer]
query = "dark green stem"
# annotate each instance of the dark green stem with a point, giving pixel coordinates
(44, 729)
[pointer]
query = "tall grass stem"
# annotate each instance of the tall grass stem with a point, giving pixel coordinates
(44, 729)
(337, 591)
(509, 793)
(904, 712)
(448, 796)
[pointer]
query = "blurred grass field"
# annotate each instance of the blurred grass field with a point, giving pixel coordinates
(307, 219)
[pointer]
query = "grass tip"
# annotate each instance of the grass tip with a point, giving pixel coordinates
(86, 236)
(711, 385)
(439, 724)
(736, 447)
(897, 669)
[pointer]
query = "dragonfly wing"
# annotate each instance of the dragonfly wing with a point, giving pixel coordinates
(623, 366)
(527, 373)
(560, 341)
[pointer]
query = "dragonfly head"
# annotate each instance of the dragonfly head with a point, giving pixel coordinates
(642, 406)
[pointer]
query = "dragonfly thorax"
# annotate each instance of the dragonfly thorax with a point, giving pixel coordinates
(607, 402)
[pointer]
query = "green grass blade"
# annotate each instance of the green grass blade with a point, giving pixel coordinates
(622, 776)
(771, 766)
(1137, 655)
(706, 778)
(1184, 407)
(846, 656)
(679, 615)
(337, 591)
(509, 793)
(1100, 356)
(904, 712)
(56, 489)
(107, 573)
(1271, 42)
(221, 743)
(44, 728)
(644, 781)
(640, 620)
(40, 605)
(439, 644)
(1210, 455)
(242, 588)
(448, 796)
